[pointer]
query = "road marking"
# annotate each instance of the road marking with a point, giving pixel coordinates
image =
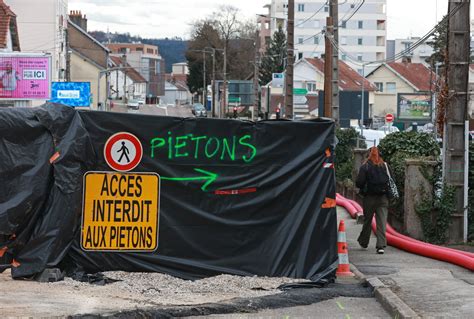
(340, 305)
(348, 317)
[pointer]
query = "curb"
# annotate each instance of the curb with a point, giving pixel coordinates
(396, 307)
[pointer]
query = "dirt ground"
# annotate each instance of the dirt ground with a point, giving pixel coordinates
(135, 290)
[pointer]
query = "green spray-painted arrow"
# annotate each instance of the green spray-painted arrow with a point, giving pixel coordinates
(207, 176)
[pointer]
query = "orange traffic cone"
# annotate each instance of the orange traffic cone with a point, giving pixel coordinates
(343, 270)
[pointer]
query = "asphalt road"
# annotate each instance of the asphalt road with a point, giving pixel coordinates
(178, 111)
(342, 307)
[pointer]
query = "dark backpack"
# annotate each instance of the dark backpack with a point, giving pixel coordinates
(377, 179)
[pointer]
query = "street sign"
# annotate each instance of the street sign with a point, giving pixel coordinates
(278, 80)
(389, 118)
(123, 152)
(299, 99)
(300, 91)
(120, 212)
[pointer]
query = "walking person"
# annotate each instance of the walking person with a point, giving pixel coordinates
(373, 182)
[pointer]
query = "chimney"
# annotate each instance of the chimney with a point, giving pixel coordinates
(79, 20)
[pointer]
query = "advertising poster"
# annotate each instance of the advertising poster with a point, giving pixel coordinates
(71, 93)
(23, 77)
(414, 106)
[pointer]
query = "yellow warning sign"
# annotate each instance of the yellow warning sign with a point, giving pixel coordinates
(120, 212)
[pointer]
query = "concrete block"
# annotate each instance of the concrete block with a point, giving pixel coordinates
(416, 188)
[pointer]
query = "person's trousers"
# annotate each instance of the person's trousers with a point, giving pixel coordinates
(378, 205)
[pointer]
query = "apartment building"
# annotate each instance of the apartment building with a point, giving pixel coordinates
(148, 62)
(362, 32)
(416, 55)
(42, 25)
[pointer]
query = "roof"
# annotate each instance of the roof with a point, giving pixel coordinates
(87, 35)
(349, 79)
(417, 75)
(131, 72)
(6, 18)
(179, 80)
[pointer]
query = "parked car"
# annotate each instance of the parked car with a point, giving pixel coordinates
(135, 104)
(389, 129)
(199, 110)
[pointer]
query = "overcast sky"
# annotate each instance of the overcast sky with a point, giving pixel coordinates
(169, 18)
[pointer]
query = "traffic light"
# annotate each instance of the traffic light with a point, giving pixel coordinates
(235, 112)
(278, 113)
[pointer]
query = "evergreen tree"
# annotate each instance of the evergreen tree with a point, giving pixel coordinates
(439, 42)
(274, 59)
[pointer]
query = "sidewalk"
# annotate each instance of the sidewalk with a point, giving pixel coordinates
(429, 287)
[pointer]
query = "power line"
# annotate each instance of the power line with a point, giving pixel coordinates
(403, 53)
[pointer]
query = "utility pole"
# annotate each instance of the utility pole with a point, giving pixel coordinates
(213, 85)
(255, 78)
(334, 14)
(456, 113)
(224, 85)
(328, 60)
(290, 59)
(124, 63)
(204, 86)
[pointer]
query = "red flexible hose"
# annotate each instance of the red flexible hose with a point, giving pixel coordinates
(460, 258)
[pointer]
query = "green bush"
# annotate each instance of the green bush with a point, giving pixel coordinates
(397, 147)
(400, 146)
(344, 161)
(471, 193)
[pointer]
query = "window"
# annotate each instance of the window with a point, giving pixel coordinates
(316, 24)
(311, 86)
(300, 40)
(343, 57)
(149, 51)
(361, 24)
(300, 7)
(326, 8)
(343, 40)
(353, 6)
(379, 86)
(359, 41)
(300, 55)
(316, 40)
(344, 24)
(359, 56)
(139, 49)
(391, 87)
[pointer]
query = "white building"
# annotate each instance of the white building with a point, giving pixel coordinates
(418, 55)
(126, 79)
(42, 26)
(362, 32)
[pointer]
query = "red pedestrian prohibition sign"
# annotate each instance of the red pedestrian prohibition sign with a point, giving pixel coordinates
(123, 152)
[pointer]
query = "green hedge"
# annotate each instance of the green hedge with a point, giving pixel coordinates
(400, 146)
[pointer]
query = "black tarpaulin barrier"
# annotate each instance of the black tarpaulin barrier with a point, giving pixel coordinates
(270, 210)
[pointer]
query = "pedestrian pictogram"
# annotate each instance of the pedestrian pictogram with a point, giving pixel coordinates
(123, 152)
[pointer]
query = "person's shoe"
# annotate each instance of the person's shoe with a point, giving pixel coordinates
(362, 246)
(380, 251)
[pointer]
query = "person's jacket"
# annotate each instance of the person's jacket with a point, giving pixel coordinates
(373, 179)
